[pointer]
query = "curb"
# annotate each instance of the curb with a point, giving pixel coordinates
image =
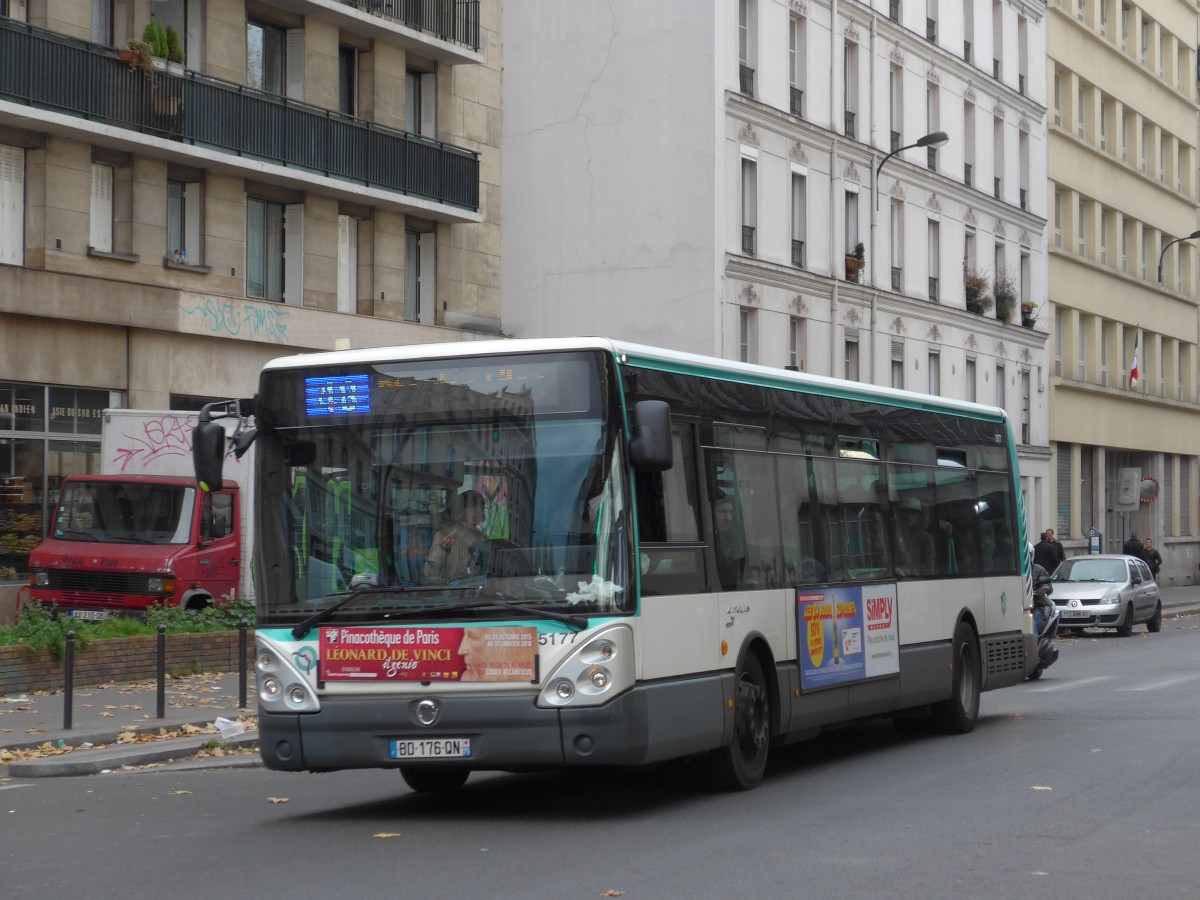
(112, 735)
(94, 762)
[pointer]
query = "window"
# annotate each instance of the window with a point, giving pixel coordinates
(12, 205)
(797, 343)
(1057, 97)
(969, 381)
(1058, 218)
(188, 18)
(935, 373)
(1026, 401)
(420, 275)
(850, 86)
(798, 62)
(932, 117)
(968, 143)
(101, 216)
(747, 44)
(997, 156)
(348, 81)
(1079, 113)
(852, 239)
(851, 360)
(898, 365)
(931, 20)
(1104, 339)
(1126, 225)
(1000, 386)
(746, 336)
(347, 282)
(1058, 342)
(275, 251)
(799, 218)
(420, 103)
(749, 204)
(275, 59)
(896, 105)
(1104, 216)
(101, 20)
(968, 28)
(1104, 16)
(1082, 236)
(183, 222)
(935, 258)
(1082, 349)
(897, 214)
(1103, 124)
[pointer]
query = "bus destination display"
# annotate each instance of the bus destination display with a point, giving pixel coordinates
(337, 395)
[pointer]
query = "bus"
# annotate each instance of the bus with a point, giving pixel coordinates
(531, 554)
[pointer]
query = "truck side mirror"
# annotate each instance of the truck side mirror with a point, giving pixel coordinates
(208, 455)
(650, 444)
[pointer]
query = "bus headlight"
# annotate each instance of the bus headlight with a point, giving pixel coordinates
(281, 686)
(594, 673)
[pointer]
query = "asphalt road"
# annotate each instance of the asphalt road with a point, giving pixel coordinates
(1085, 784)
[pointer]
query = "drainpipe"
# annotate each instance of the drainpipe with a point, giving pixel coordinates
(833, 204)
(874, 193)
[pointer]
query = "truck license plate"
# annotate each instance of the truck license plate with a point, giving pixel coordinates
(431, 748)
(90, 615)
(1075, 614)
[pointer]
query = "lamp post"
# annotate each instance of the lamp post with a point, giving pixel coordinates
(935, 140)
(1190, 237)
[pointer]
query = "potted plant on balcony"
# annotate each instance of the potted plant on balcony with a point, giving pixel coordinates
(975, 285)
(1028, 313)
(855, 262)
(138, 55)
(1005, 292)
(174, 46)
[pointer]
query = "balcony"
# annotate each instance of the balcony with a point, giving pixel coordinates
(48, 71)
(798, 254)
(453, 21)
(748, 240)
(797, 103)
(849, 124)
(746, 76)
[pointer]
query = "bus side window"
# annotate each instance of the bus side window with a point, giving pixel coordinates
(671, 556)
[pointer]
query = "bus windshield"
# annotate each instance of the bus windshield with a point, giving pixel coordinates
(393, 489)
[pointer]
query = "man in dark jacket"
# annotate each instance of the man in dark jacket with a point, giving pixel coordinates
(1152, 557)
(1133, 547)
(1049, 553)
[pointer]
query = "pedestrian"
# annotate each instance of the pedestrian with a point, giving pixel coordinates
(1059, 553)
(1043, 554)
(1152, 557)
(1133, 547)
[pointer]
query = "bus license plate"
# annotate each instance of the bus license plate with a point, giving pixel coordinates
(431, 748)
(90, 615)
(1075, 614)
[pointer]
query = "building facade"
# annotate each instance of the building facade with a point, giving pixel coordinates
(707, 180)
(292, 176)
(1123, 165)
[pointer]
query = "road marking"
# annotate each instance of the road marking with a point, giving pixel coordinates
(1068, 685)
(9, 787)
(1165, 683)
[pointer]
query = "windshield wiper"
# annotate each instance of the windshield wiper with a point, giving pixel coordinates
(318, 617)
(82, 534)
(576, 621)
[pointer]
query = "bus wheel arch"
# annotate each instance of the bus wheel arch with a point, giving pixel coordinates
(958, 713)
(740, 764)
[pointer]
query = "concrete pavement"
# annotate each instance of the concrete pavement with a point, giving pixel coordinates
(115, 725)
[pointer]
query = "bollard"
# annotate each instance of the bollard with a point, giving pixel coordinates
(68, 679)
(242, 626)
(162, 671)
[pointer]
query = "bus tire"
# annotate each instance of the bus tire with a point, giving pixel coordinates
(434, 781)
(957, 715)
(739, 765)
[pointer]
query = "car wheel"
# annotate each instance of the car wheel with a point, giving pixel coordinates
(958, 714)
(739, 765)
(1125, 629)
(434, 781)
(1154, 625)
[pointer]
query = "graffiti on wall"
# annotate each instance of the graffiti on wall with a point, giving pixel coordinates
(240, 318)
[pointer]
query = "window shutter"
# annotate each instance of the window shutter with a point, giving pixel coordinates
(295, 63)
(12, 205)
(293, 254)
(102, 208)
(428, 278)
(347, 263)
(429, 105)
(194, 40)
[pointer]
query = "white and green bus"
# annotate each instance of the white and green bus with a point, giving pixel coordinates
(582, 552)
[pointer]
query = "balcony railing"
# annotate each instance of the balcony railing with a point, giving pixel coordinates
(931, 29)
(931, 158)
(933, 288)
(797, 102)
(849, 124)
(798, 253)
(748, 240)
(456, 21)
(1024, 198)
(1021, 84)
(894, 10)
(996, 69)
(50, 71)
(967, 51)
(967, 174)
(746, 76)
(996, 187)
(897, 278)
(895, 141)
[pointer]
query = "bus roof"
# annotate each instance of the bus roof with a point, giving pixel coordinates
(653, 357)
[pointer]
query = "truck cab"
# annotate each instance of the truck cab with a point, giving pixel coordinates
(121, 543)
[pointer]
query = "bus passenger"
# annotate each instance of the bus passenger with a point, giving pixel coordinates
(915, 550)
(731, 549)
(450, 553)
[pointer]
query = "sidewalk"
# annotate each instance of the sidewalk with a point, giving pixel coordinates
(118, 720)
(116, 725)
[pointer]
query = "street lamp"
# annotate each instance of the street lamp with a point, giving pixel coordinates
(1190, 237)
(935, 140)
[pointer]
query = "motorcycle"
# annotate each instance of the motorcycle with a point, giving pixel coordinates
(1047, 649)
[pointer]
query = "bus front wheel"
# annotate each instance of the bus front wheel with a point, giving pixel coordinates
(958, 714)
(434, 781)
(739, 765)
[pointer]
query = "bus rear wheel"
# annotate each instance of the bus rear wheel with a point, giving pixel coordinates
(739, 765)
(958, 714)
(434, 781)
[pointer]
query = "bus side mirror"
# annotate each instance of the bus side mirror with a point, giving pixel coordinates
(208, 455)
(650, 445)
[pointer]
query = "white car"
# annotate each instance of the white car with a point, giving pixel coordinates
(1107, 591)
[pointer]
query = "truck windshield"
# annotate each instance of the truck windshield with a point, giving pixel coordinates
(124, 512)
(419, 484)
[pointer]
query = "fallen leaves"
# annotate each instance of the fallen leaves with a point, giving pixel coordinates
(1040, 787)
(613, 893)
(388, 834)
(176, 793)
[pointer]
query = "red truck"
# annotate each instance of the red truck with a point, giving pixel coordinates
(143, 532)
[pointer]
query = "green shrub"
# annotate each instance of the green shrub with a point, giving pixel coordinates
(155, 34)
(174, 45)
